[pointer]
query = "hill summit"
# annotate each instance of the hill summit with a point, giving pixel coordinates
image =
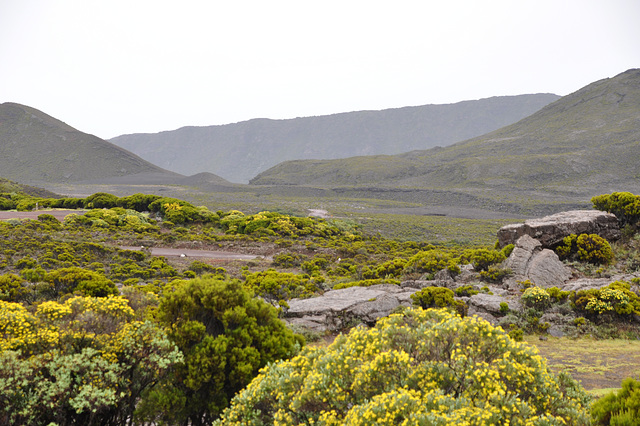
(238, 152)
(35, 147)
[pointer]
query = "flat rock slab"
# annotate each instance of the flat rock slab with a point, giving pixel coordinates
(595, 283)
(339, 300)
(337, 309)
(550, 230)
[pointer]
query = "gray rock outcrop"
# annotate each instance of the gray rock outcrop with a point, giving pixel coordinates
(550, 230)
(487, 306)
(529, 261)
(596, 283)
(337, 309)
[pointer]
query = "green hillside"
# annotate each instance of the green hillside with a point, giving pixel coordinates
(585, 143)
(238, 152)
(7, 186)
(35, 147)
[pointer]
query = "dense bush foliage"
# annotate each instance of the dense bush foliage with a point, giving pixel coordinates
(278, 287)
(84, 361)
(589, 248)
(620, 408)
(226, 336)
(625, 205)
(616, 299)
(420, 367)
(88, 314)
(535, 297)
(438, 297)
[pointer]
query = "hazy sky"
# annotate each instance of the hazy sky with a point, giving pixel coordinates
(113, 67)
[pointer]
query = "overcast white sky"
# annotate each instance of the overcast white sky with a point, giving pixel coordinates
(127, 66)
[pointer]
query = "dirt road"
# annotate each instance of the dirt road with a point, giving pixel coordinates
(207, 254)
(58, 214)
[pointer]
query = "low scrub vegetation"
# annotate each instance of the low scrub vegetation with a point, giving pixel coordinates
(419, 367)
(96, 330)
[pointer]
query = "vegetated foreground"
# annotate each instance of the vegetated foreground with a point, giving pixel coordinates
(97, 334)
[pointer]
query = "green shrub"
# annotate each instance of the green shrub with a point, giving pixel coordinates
(625, 205)
(438, 297)
(226, 336)
(590, 248)
(276, 286)
(621, 408)
(288, 260)
(506, 250)
(517, 334)
(83, 281)
(49, 219)
(12, 288)
(504, 308)
(432, 261)
(615, 299)
(495, 274)
(200, 267)
(535, 297)
(101, 200)
(482, 259)
(558, 295)
(389, 269)
(414, 368)
(466, 290)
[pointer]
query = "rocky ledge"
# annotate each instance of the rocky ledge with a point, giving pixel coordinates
(550, 230)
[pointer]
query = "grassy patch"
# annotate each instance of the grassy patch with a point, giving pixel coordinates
(599, 364)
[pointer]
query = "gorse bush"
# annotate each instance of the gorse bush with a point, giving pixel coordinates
(536, 297)
(589, 248)
(84, 361)
(415, 368)
(482, 259)
(432, 261)
(278, 287)
(625, 205)
(616, 299)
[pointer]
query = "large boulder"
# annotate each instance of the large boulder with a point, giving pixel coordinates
(338, 309)
(529, 261)
(550, 230)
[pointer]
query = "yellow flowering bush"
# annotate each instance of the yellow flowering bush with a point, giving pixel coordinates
(616, 299)
(84, 361)
(420, 367)
(536, 297)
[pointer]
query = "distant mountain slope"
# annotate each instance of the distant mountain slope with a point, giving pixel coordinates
(586, 141)
(240, 151)
(35, 147)
(7, 185)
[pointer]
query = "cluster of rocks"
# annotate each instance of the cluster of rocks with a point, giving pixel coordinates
(531, 259)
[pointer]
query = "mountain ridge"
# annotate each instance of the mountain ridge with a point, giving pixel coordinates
(586, 141)
(239, 151)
